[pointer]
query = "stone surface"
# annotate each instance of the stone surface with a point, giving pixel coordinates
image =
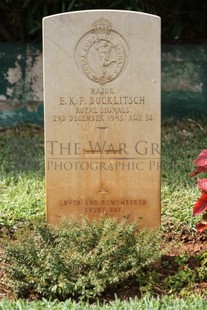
(102, 115)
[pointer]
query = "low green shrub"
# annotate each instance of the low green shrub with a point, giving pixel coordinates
(80, 259)
(190, 272)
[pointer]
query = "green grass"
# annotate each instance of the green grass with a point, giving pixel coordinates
(22, 198)
(22, 188)
(146, 303)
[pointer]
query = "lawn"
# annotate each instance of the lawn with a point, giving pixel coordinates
(181, 279)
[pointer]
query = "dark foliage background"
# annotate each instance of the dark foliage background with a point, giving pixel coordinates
(182, 20)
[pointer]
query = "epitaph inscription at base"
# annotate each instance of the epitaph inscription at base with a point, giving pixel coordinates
(102, 115)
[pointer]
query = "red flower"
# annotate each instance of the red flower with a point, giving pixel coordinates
(202, 226)
(201, 160)
(198, 170)
(202, 184)
(201, 163)
(201, 205)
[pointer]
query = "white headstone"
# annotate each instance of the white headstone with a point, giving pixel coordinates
(102, 115)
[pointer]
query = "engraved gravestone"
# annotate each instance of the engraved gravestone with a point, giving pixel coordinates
(102, 115)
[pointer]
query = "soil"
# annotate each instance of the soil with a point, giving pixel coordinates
(187, 244)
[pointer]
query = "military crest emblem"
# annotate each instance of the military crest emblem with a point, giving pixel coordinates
(102, 53)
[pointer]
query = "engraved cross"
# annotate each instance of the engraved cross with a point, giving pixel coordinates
(100, 149)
